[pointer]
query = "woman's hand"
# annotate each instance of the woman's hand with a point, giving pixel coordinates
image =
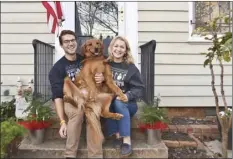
(99, 78)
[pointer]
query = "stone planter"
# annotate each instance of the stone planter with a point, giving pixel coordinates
(37, 136)
(153, 136)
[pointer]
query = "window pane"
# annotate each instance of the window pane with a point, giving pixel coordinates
(97, 18)
(206, 11)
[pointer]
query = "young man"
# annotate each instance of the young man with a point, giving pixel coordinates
(69, 65)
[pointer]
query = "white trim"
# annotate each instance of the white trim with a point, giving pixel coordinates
(121, 18)
(193, 38)
(131, 28)
(69, 23)
(128, 25)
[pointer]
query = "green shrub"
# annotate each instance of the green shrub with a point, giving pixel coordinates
(7, 109)
(153, 113)
(9, 131)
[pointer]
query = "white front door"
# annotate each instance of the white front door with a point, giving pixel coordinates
(101, 20)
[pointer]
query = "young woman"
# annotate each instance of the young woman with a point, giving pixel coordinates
(128, 78)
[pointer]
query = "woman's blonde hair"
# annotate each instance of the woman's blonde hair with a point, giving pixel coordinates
(128, 58)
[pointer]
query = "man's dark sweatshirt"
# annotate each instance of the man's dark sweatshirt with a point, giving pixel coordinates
(61, 69)
(128, 78)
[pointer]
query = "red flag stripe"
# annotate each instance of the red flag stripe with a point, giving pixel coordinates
(59, 10)
(54, 14)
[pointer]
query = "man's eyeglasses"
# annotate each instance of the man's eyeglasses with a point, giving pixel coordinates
(68, 41)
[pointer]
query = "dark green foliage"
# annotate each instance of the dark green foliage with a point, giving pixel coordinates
(37, 109)
(7, 109)
(153, 113)
(9, 131)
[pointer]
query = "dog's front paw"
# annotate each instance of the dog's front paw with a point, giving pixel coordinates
(118, 116)
(123, 98)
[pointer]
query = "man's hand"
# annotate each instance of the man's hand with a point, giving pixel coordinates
(63, 130)
(99, 78)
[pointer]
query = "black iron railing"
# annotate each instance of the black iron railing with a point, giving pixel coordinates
(43, 62)
(147, 70)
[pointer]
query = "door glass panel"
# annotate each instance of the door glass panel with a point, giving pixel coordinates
(96, 20)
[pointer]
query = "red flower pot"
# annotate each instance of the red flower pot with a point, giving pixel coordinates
(158, 125)
(34, 125)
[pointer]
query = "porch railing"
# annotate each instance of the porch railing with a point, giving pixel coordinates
(43, 62)
(147, 70)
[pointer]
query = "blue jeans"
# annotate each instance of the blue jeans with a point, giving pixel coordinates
(123, 125)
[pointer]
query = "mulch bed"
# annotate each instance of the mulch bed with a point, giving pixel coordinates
(187, 121)
(186, 152)
(207, 139)
(179, 136)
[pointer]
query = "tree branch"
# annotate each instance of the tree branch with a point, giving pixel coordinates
(214, 92)
(221, 84)
(105, 25)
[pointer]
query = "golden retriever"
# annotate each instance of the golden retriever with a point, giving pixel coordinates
(84, 91)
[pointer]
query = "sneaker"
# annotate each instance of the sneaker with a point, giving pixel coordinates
(126, 150)
(117, 143)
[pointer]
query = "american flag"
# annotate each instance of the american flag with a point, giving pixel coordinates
(55, 15)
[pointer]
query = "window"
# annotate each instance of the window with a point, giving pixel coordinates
(200, 12)
(96, 19)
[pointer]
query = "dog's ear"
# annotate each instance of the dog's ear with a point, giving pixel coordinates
(83, 49)
(102, 47)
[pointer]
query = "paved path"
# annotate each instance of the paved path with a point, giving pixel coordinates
(216, 147)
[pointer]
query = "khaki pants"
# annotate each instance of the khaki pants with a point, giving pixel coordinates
(74, 126)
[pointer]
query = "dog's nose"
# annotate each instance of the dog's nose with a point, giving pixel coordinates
(96, 49)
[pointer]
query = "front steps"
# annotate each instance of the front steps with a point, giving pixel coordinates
(55, 149)
(54, 146)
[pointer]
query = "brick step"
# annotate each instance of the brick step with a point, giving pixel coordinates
(55, 149)
(53, 133)
(199, 131)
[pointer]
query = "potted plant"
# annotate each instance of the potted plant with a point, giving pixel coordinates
(221, 52)
(38, 117)
(153, 119)
(11, 136)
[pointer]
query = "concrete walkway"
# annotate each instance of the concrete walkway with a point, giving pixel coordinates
(216, 147)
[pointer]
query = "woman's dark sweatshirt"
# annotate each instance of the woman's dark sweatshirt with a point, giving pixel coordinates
(128, 78)
(61, 69)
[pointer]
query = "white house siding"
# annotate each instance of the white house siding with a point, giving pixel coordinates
(21, 22)
(180, 77)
